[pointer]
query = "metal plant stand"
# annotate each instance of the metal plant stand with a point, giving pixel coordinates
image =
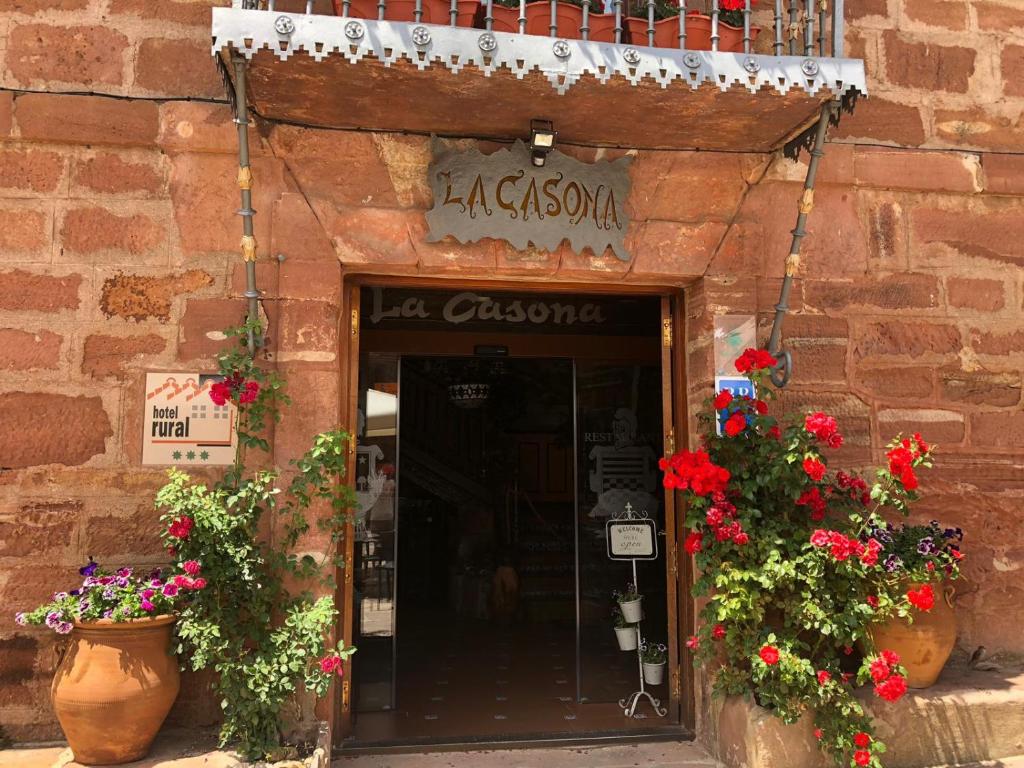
(629, 704)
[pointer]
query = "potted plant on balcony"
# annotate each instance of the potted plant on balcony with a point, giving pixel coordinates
(791, 564)
(730, 28)
(434, 11)
(630, 604)
(625, 632)
(117, 680)
(653, 657)
(666, 23)
(922, 562)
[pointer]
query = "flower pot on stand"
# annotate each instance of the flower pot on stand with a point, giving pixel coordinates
(632, 610)
(654, 674)
(924, 647)
(114, 687)
(568, 18)
(730, 38)
(626, 637)
(602, 27)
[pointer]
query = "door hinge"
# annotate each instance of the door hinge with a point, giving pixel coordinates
(674, 564)
(677, 684)
(670, 441)
(666, 331)
(346, 693)
(355, 322)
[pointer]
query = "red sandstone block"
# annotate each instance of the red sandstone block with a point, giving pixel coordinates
(176, 67)
(26, 351)
(118, 174)
(194, 14)
(135, 535)
(979, 127)
(68, 119)
(997, 16)
(997, 429)
(30, 172)
(308, 331)
(298, 235)
(935, 425)
(818, 363)
(970, 293)
(32, 7)
(994, 233)
(1012, 69)
(39, 54)
(887, 231)
(1004, 174)
(144, 297)
(951, 14)
(929, 171)
(688, 186)
(107, 356)
(996, 342)
(49, 428)
(858, 10)
(980, 387)
(23, 291)
(927, 65)
(906, 339)
(40, 527)
(201, 325)
(25, 230)
(895, 383)
(192, 126)
(667, 251)
(882, 119)
(374, 235)
(907, 291)
(102, 233)
(6, 113)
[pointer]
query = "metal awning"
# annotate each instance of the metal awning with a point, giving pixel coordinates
(338, 72)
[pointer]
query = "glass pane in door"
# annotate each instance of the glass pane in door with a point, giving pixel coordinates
(619, 414)
(376, 480)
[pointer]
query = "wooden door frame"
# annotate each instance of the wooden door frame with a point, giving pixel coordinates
(675, 435)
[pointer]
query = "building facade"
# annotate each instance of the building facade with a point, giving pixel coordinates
(119, 238)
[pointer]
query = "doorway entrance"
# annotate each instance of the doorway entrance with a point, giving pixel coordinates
(491, 453)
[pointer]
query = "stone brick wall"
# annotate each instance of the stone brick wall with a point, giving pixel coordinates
(119, 254)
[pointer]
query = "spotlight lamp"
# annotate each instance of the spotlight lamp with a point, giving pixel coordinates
(542, 140)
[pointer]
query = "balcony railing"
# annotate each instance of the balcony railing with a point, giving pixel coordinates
(624, 77)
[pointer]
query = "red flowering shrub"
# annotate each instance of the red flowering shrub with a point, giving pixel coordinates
(758, 496)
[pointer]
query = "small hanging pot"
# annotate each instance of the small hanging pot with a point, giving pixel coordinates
(626, 637)
(632, 610)
(654, 674)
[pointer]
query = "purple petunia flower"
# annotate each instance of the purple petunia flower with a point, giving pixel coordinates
(20, 619)
(108, 593)
(156, 583)
(121, 581)
(104, 580)
(147, 593)
(83, 606)
(170, 590)
(892, 563)
(147, 606)
(125, 572)
(90, 581)
(52, 619)
(926, 546)
(108, 614)
(64, 627)
(155, 573)
(90, 568)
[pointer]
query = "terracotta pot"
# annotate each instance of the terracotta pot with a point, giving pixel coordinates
(698, 35)
(568, 19)
(434, 11)
(666, 31)
(924, 646)
(114, 687)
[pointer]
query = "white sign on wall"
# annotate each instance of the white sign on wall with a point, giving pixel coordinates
(182, 425)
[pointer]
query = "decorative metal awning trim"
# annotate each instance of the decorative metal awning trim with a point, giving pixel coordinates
(562, 62)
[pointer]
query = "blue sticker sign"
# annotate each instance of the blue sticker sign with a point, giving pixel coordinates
(738, 386)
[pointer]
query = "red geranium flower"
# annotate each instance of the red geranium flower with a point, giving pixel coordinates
(180, 527)
(923, 599)
(191, 567)
(718, 632)
(693, 470)
(741, 538)
(823, 676)
(693, 543)
(814, 469)
(820, 538)
(722, 399)
(817, 734)
(333, 663)
(879, 670)
(755, 360)
(862, 740)
(891, 658)
(872, 600)
(769, 655)
(761, 407)
(692, 643)
(862, 757)
(892, 688)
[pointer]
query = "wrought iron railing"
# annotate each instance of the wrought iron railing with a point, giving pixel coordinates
(798, 27)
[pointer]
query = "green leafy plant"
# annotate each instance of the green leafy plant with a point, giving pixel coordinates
(653, 653)
(793, 563)
(626, 596)
(620, 620)
(263, 641)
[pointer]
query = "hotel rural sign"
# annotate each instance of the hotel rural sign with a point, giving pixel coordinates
(182, 425)
(503, 195)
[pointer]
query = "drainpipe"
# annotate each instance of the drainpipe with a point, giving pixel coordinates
(248, 244)
(780, 375)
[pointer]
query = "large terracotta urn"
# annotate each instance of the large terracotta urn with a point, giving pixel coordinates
(924, 646)
(114, 687)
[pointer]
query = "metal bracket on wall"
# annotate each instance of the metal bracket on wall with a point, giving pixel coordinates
(783, 370)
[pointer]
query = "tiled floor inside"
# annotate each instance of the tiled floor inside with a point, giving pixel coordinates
(464, 681)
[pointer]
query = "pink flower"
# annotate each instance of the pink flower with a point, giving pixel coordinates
(692, 643)
(191, 567)
(199, 583)
(741, 538)
(170, 590)
(147, 593)
(329, 664)
(147, 606)
(718, 632)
